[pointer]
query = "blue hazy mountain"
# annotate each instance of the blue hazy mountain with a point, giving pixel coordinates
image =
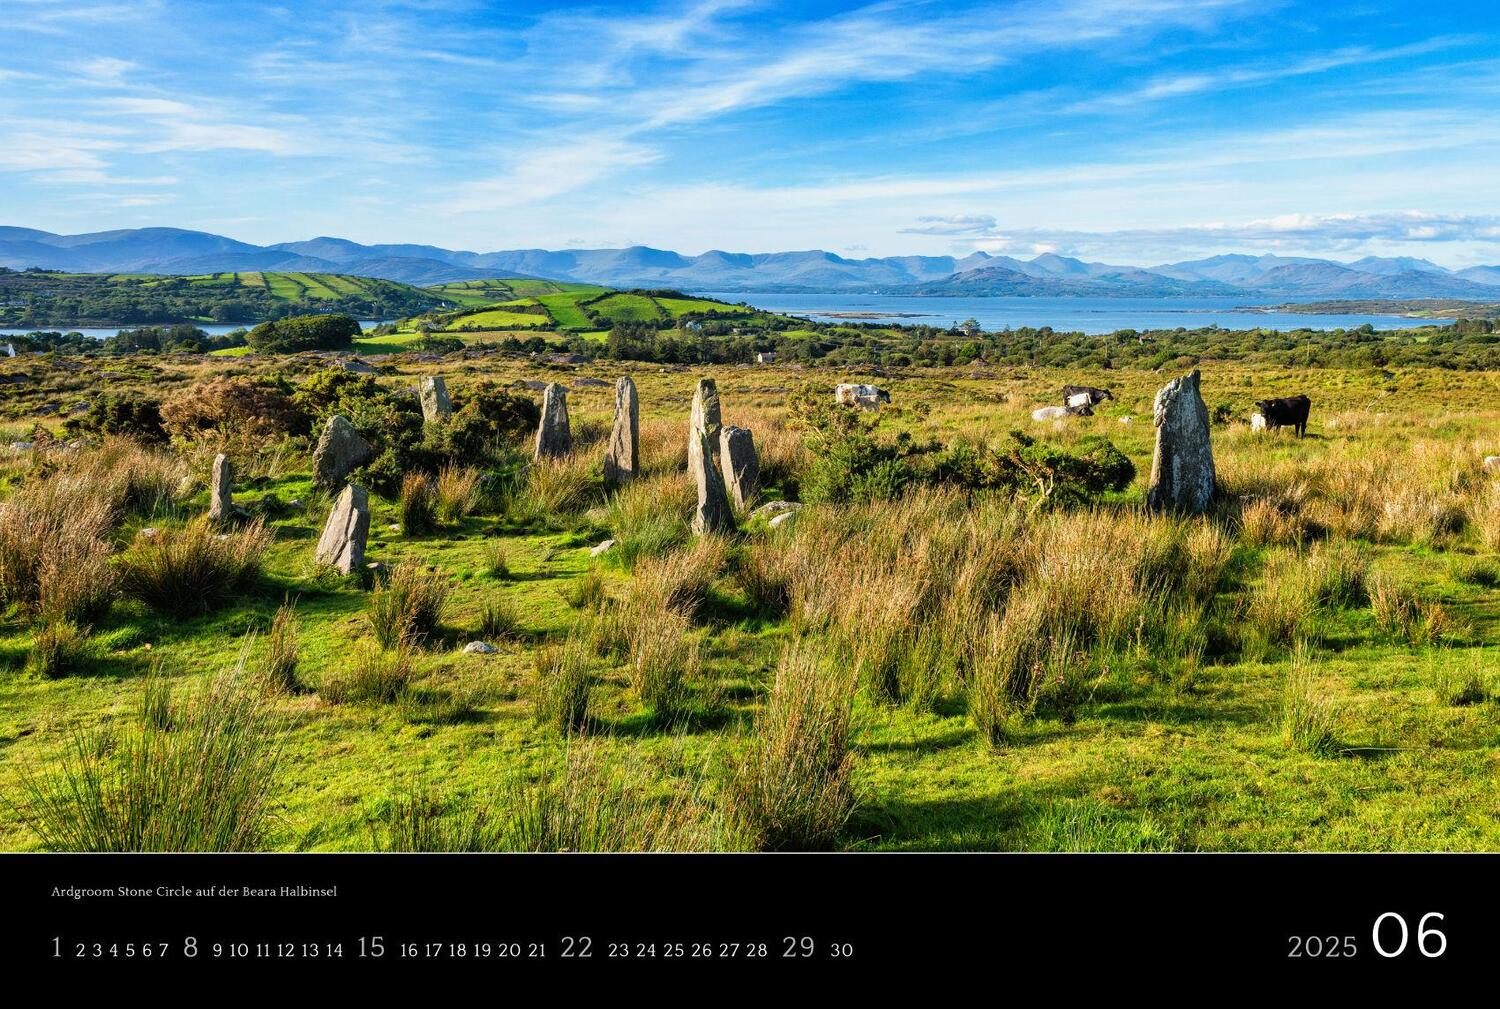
(180, 251)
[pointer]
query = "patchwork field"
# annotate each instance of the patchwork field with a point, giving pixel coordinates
(1311, 666)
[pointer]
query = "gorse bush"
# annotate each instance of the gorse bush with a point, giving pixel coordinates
(198, 779)
(793, 788)
(194, 569)
(407, 605)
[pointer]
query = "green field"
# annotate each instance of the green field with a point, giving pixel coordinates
(1325, 680)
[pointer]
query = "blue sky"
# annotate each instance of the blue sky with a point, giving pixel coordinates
(1124, 130)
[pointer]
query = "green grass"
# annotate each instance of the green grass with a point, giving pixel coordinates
(627, 308)
(565, 311)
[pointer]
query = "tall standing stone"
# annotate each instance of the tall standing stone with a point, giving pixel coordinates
(1182, 470)
(341, 449)
(342, 544)
(622, 462)
(713, 513)
(553, 437)
(221, 490)
(705, 415)
(436, 405)
(740, 464)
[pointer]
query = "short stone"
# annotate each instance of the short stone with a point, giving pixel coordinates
(780, 520)
(602, 548)
(480, 648)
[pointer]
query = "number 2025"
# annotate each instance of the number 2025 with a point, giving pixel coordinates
(1390, 937)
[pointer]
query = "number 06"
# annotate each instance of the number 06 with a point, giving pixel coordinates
(1423, 935)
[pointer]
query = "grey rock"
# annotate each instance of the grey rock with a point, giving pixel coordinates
(22, 446)
(554, 439)
(712, 513)
(590, 383)
(602, 548)
(622, 459)
(480, 648)
(773, 508)
(1492, 464)
(740, 464)
(358, 367)
(1182, 468)
(782, 519)
(534, 385)
(436, 405)
(342, 544)
(341, 450)
(221, 490)
(705, 416)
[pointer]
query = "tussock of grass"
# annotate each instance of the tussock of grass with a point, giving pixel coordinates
(1405, 613)
(417, 507)
(375, 674)
(197, 778)
(564, 676)
(793, 788)
(193, 569)
(457, 492)
(1309, 718)
(407, 605)
(499, 620)
(279, 663)
(59, 648)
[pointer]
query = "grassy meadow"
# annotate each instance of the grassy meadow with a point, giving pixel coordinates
(1311, 666)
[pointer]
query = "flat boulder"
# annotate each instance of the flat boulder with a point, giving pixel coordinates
(341, 450)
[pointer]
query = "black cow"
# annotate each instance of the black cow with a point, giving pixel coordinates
(1073, 395)
(1288, 411)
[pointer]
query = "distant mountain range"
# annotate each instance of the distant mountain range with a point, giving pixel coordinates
(1269, 277)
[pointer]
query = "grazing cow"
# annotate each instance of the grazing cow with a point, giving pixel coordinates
(1288, 411)
(1084, 395)
(866, 397)
(1061, 412)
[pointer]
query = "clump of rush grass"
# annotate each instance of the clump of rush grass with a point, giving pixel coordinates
(679, 580)
(1309, 719)
(1278, 609)
(1457, 683)
(1481, 571)
(417, 509)
(279, 663)
(375, 674)
(577, 803)
(765, 573)
(407, 605)
(156, 700)
(496, 559)
(499, 620)
(1405, 613)
(55, 549)
(58, 648)
(200, 778)
(793, 788)
(1264, 523)
(664, 658)
(458, 492)
(555, 489)
(194, 569)
(649, 516)
(564, 676)
(1340, 572)
(587, 592)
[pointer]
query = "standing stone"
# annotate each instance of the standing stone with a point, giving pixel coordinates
(622, 461)
(705, 415)
(221, 490)
(436, 405)
(341, 449)
(741, 465)
(1182, 470)
(553, 437)
(342, 544)
(713, 513)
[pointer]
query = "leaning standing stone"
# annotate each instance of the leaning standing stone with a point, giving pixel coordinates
(713, 513)
(1182, 470)
(342, 544)
(221, 490)
(741, 466)
(340, 451)
(705, 417)
(435, 403)
(622, 461)
(553, 437)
